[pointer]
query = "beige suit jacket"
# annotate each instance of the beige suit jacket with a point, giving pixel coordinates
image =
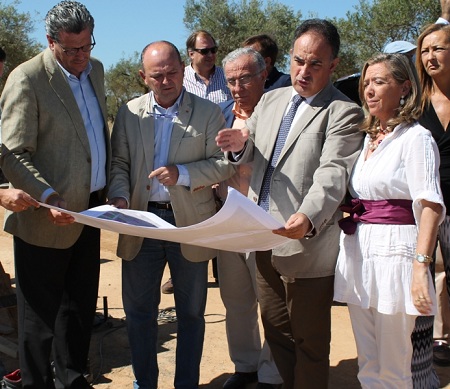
(45, 145)
(192, 144)
(311, 175)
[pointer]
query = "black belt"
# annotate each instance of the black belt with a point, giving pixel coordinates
(157, 205)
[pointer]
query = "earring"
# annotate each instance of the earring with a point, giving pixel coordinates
(402, 101)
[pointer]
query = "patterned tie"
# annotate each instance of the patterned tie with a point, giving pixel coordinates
(281, 140)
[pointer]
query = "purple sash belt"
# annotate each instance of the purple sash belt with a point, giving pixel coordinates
(376, 212)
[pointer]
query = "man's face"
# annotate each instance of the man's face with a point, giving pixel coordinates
(203, 61)
(312, 64)
(245, 81)
(163, 73)
(74, 64)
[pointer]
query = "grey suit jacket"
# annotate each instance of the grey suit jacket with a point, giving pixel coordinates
(192, 144)
(45, 145)
(311, 175)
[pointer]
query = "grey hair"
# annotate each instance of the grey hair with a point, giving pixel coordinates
(236, 54)
(68, 16)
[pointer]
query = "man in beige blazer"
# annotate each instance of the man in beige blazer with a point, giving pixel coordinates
(303, 190)
(55, 147)
(165, 161)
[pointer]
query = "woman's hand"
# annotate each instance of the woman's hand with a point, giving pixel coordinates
(426, 241)
(419, 288)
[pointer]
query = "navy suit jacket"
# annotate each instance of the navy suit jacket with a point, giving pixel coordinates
(227, 107)
(277, 79)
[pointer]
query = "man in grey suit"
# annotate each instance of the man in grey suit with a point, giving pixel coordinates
(55, 147)
(301, 169)
(165, 161)
(245, 72)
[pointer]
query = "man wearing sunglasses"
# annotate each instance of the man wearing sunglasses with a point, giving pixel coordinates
(56, 148)
(202, 77)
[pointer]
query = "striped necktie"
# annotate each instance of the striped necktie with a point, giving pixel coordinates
(279, 144)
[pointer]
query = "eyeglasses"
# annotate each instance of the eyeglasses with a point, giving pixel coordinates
(244, 80)
(74, 50)
(212, 50)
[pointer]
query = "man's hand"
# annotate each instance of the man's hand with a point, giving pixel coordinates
(56, 217)
(296, 227)
(118, 202)
(232, 140)
(445, 9)
(16, 200)
(166, 175)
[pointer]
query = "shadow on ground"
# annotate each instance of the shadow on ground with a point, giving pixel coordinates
(109, 345)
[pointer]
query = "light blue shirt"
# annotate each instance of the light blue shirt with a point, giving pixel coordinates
(93, 122)
(163, 123)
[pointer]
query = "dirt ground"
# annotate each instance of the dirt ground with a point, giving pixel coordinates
(110, 354)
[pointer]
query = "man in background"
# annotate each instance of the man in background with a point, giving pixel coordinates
(58, 152)
(202, 77)
(245, 72)
(268, 48)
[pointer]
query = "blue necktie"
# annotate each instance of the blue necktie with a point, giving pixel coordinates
(279, 144)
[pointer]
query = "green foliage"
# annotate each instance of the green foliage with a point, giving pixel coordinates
(375, 23)
(231, 22)
(15, 29)
(123, 83)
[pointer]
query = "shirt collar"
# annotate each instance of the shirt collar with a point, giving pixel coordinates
(308, 100)
(198, 77)
(153, 106)
(239, 115)
(83, 75)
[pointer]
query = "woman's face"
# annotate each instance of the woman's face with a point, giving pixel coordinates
(382, 93)
(435, 54)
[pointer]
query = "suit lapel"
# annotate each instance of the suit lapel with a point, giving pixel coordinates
(147, 130)
(180, 124)
(273, 127)
(308, 115)
(99, 87)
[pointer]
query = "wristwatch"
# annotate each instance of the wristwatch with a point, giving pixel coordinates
(422, 258)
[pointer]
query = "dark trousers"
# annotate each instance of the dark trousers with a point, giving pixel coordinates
(56, 295)
(297, 324)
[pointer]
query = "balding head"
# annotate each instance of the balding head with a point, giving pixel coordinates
(162, 71)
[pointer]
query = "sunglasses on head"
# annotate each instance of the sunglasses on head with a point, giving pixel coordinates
(212, 50)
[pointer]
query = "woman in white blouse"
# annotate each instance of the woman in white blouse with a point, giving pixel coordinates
(382, 271)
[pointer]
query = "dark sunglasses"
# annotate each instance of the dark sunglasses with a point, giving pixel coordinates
(212, 50)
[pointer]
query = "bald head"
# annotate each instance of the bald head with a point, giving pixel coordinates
(162, 71)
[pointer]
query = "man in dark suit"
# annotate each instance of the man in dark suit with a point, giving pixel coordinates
(267, 47)
(245, 72)
(56, 148)
(165, 160)
(303, 142)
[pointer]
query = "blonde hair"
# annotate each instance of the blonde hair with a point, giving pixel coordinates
(402, 69)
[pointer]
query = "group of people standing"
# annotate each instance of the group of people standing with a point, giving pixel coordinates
(297, 151)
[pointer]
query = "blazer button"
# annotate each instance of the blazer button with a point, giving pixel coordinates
(255, 199)
(148, 187)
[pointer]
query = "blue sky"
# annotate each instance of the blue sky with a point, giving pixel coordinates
(123, 27)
